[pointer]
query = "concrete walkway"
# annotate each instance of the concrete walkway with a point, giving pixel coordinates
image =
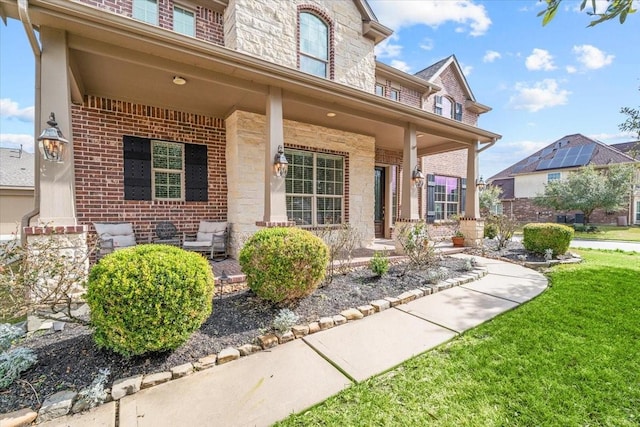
(265, 387)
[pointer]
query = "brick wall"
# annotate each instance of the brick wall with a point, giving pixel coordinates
(209, 23)
(453, 89)
(453, 163)
(407, 96)
(525, 211)
(98, 126)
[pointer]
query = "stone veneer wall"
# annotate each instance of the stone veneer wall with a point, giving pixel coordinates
(98, 127)
(246, 162)
(268, 30)
(209, 23)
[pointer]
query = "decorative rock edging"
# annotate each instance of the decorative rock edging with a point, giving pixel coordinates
(131, 385)
(571, 258)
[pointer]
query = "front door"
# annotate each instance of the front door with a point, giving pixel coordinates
(379, 202)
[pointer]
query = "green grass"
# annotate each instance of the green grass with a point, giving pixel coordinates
(571, 357)
(611, 232)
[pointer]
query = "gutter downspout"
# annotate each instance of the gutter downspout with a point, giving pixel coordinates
(489, 145)
(23, 11)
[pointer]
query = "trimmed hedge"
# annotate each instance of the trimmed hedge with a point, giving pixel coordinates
(283, 264)
(539, 237)
(148, 298)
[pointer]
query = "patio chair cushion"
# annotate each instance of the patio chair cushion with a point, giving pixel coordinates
(207, 230)
(121, 233)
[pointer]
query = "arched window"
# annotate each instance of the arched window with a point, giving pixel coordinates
(313, 45)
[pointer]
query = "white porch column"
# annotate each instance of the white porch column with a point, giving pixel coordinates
(409, 210)
(275, 208)
(472, 208)
(57, 180)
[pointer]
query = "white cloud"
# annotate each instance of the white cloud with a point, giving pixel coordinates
(11, 110)
(591, 57)
(466, 69)
(540, 59)
(571, 69)
(491, 55)
(400, 65)
(543, 94)
(396, 14)
(614, 137)
(388, 49)
(427, 44)
(13, 140)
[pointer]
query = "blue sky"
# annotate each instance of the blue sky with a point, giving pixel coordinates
(542, 82)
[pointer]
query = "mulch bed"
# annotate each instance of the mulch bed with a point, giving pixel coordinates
(70, 359)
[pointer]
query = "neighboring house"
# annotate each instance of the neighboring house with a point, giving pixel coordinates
(630, 148)
(16, 189)
(522, 181)
(176, 110)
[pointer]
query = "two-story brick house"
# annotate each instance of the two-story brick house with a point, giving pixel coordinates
(176, 110)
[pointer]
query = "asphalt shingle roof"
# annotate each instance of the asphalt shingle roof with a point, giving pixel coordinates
(16, 168)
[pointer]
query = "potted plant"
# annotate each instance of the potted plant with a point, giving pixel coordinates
(458, 239)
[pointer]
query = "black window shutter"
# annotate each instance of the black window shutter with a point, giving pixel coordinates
(463, 195)
(195, 172)
(137, 168)
(431, 198)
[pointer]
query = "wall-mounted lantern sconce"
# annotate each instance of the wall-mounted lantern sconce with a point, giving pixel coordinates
(417, 177)
(480, 184)
(280, 163)
(53, 144)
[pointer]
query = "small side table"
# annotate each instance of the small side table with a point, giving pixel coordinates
(172, 242)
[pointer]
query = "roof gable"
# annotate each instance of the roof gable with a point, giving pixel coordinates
(434, 71)
(570, 151)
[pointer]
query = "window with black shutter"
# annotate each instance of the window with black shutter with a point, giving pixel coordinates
(431, 198)
(164, 170)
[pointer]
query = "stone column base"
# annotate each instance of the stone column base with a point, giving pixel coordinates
(473, 230)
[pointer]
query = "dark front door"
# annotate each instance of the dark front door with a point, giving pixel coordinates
(379, 202)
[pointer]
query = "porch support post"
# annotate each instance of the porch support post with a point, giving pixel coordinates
(57, 180)
(472, 226)
(275, 209)
(409, 211)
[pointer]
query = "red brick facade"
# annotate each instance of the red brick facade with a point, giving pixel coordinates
(524, 211)
(453, 89)
(209, 24)
(98, 128)
(453, 163)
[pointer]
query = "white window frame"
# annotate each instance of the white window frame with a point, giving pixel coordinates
(394, 94)
(553, 176)
(447, 204)
(303, 54)
(437, 105)
(457, 111)
(154, 170)
(381, 88)
(143, 6)
(315, 195)
(185, 10)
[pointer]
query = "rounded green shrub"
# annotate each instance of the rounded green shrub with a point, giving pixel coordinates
(148, 298)
(379, 264)
(490, 230)
(540, 237)
(283, 264)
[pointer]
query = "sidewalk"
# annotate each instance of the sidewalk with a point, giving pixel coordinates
(265, 387)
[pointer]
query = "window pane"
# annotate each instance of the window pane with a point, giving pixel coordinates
(314, 38)
(168, 169)
(146, 11)
(313, 66)
(183, 21)
(299, 210)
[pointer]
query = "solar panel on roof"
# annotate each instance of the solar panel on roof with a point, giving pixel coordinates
(568, 157)
(546, 151)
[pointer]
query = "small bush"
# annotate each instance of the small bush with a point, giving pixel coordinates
(8, 334)
(13, 363)
(490, 230)
(504, 225)
(148, 298)
(283, 264)
(379, 264)
(284, 320)
(540, 237)
(414, 240)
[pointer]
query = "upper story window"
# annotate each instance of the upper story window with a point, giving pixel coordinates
(168, 170)
(379, 89)
(554, 176)
(437, 106)
(184, 21)
(394, 94)
(146, 11)
(457, 112)
(313, 45)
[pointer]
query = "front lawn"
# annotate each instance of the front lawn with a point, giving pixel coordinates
(612, 232)
(570, 357)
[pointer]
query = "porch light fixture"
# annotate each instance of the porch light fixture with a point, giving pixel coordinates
(52, 143)
(417, 177)
(179, 80)
(480, 184)
(280, 163)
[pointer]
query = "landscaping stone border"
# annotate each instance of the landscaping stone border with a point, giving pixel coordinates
(126, 386)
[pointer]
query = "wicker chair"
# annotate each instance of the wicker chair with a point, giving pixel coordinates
(212, 238)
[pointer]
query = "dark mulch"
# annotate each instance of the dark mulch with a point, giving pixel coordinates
(70, 359)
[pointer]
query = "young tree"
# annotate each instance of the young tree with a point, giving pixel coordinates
(632, 124)
(615, 8)
(489, 198)
(589, 189)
